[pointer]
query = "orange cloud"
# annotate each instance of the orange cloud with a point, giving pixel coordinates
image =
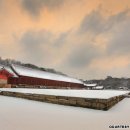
(109, 63)
(101, 23)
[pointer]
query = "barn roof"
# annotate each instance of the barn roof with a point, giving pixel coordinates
(25, 71)
(8, 69)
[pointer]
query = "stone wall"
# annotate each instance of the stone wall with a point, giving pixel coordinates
(100, 104)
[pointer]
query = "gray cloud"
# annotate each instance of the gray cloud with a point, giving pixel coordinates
(96, 23)
(119, 43)
(34, 45)
(81, 51)
(81, 56)
(1, 2)
(92, 22)
(34, 6)
(115, 29)
(61, 40)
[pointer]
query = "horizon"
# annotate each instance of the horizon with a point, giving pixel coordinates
(83, 39)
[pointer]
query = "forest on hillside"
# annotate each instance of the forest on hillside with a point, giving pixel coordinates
(8, 62)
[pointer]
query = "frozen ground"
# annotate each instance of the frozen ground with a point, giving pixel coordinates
(21, 114)
(101, 94)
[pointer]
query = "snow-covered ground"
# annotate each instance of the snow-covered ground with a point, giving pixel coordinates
(21, 114)
(100, 94)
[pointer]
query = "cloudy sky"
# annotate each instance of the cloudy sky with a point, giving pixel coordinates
(87, 39)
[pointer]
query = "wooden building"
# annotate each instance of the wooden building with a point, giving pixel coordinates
(20, 76)
(5, 73)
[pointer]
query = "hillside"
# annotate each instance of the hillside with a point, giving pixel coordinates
(112, 83)
(8, 62)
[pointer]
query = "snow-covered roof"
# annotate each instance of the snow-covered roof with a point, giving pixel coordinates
(25, 71)
(90, 85)
(8, 69)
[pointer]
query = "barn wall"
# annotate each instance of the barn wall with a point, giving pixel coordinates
(23, 80)
(4, 74)
(3, 78)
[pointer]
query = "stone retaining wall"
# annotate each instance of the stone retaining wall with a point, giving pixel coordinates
(100, 104)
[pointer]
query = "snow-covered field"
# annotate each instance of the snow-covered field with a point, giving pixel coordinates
(100, 94)
(21, 114)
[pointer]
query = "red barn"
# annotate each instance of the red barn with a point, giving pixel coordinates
(19, 76)
(5, 73)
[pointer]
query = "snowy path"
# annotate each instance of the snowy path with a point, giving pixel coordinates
(100, 94)
(21, 114)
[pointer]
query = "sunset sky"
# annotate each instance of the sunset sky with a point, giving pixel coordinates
(87, 39)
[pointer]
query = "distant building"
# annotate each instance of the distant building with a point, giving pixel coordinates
(90, 86)
(19, 76)
(93, 86)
